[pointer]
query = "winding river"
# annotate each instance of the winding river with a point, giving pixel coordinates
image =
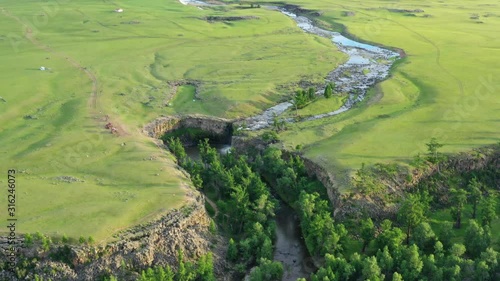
(366, 65)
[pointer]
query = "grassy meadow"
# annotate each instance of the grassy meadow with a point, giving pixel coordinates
(447, 87)
(74, 176)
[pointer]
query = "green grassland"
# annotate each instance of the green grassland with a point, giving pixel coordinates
(52, 122)
(447, 87)
(319, 106)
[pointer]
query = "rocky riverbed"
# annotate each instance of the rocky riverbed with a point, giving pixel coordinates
(366, 65)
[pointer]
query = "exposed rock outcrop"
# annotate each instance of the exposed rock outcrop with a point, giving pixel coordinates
(151, 244)
(385, 205)
(213, 125)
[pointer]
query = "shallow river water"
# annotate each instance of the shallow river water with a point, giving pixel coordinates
(290, 248)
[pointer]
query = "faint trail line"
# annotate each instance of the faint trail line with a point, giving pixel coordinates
(214, 206)
(438, 51)
(94, 95)
(29, 35)
(438, 55)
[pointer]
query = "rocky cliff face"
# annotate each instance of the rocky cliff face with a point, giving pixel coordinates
(160, 126)
(212, 125)
(327, 179)
(155, 243)
(382, 206)
(243, 144)
(354, 204)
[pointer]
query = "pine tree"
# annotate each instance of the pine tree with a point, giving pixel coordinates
(424, 237)
(458, 199)
(411, 214)
(488, 210)
(476, 239)
(432, 147)
(475, 194)
(232, 250)
(311, 93)
(328, 91)
(385, 260)
(367, 232)
(397, 277)
(371, 270)
(412, 264)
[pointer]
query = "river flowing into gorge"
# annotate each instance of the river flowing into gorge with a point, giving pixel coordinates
(366, 65)
(289, 247)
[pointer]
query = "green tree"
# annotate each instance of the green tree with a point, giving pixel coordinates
(311, 93)
(205, 268)
(475, 194)
(411, 214)
(430, 268)
(197, 180)
(300, 99)
(457, 250)
(367, 232)
(439, 250)
(266, 250)
(185, 271)
(232, 250)
(28, 239)
(397, 277)
(46, 241)
(392, 237)
(412, 264)
(432, 148)
(209, 155)
(481, 272)
(385, 260)
(458, 198)
(65, 239)
(357, 263)
(267, 271)
(490, 257)
(341, 267)
(476, 239)
(270, 136)
(424, 237)
(371, 270)
(177, 149)
(328, 91)
(446, 234)
(324, 274)
(487, 210)
(320, 233)
(418, 161)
